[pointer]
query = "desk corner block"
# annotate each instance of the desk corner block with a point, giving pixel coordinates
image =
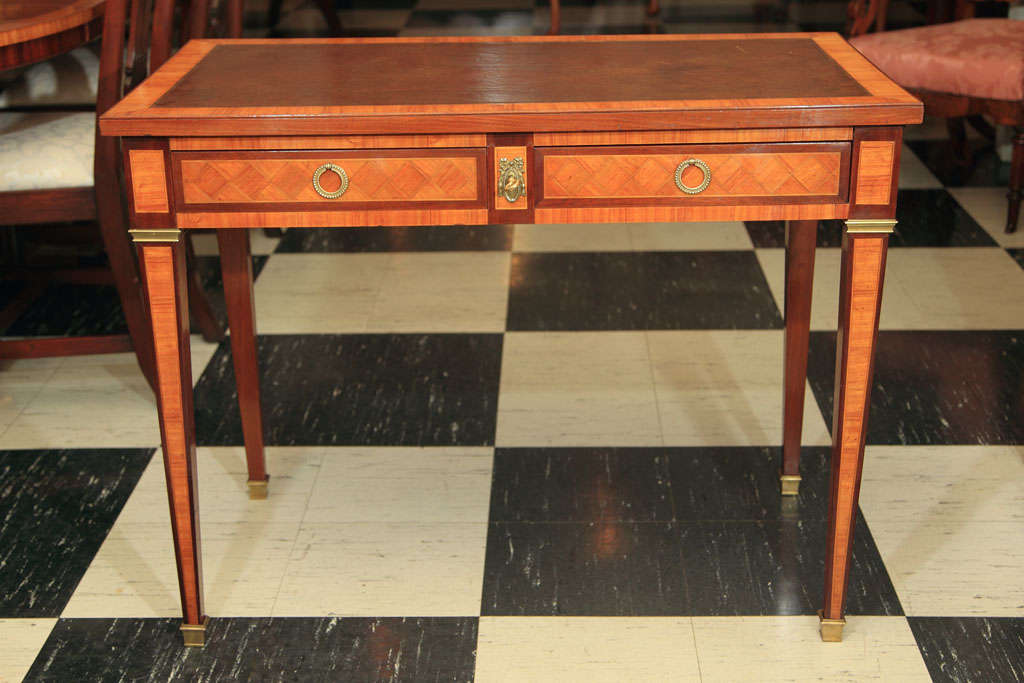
(194, 635)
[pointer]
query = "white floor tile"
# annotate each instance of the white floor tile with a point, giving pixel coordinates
(791, 649)
(402, 292)
(586, 649)
(988, 206)
(724, 388)
(384, 569)
(22, 639)
(969, 288)
(100, 401)
(402, 485)
(948, 523)
(577, 389)
(914, 175)
(205, 243)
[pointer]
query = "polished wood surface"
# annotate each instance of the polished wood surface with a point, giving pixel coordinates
(149, 180)
(163, 268)
(800, 246)
(34, 30)
(783, 143)
(472, 85)
(860, 300)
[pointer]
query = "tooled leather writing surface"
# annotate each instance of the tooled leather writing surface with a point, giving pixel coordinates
(509, 72)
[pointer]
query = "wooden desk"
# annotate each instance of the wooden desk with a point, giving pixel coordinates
(236, 135)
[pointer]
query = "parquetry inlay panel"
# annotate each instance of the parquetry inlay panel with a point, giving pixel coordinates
(423, 179)
(653, 175)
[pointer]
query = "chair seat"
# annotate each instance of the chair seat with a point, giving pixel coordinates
(68, 79)
(46, 150)
(981, 58)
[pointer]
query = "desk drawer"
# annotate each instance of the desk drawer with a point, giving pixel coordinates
(693, 174)
(350, 179)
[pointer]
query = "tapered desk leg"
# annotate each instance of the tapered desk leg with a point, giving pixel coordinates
(800, 242)
(860, 298)
(236, 269)
(162, 255)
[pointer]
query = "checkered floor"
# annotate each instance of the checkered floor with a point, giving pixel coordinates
(539, 453)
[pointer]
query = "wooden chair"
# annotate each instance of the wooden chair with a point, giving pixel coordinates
(556, 14)
(327, 10)
(57, 169)
(960, 70)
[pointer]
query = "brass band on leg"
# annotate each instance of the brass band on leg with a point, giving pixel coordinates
(867, 226)
(157, 235)
(194, 635)
(258, 488)
(790, 484)
(831, 629)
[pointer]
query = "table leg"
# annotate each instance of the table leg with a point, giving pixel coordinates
(800, 243)
(860, 298)
(236, 269)
(162, 255)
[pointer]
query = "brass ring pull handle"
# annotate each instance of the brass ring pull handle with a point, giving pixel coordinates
(341, 174)
(511, 179)
(699, 188)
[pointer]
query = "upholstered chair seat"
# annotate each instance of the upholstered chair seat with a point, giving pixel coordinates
(976, 58)
(69, 79)
(46, 150)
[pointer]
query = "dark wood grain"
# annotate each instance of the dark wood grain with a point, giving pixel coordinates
(800, 243)
(491, 72)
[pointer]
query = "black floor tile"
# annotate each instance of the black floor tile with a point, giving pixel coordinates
(56, 507)
(986, 170)
(386, 390)
(741, 483)
(935, 387)
(261, 649)
(1018, 255)
(674, 569)
(580, 485)
(772, 234)
(584, 569)
(968, 649)
(71, 310)
(777, 568)
(448, 238)
(925, 218)
(638, 291)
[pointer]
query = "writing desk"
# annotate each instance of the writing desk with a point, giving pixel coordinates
(364, 132)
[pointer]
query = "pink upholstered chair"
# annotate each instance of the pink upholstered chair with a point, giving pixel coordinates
(962, 69)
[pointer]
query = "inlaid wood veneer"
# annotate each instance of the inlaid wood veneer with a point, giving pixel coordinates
(283, 179)
(149, 180)
(875, 171)
(669, 137)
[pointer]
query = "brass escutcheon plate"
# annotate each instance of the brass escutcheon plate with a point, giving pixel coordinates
(511, 179)
(341, 174)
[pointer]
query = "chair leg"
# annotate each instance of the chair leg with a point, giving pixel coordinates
(199, 303)
(556, 18)
(1016, 193)
(331, 17)
(652, 7)
(127, 278)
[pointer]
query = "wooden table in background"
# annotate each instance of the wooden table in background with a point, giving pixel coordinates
(443, 131)
(34, 30)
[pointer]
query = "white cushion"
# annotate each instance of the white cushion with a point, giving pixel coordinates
(44, 150)
(70, 78)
